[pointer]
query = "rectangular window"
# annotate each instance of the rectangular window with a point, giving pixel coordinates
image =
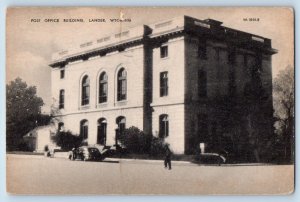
(231, 56)
(61, 99)
(202, 49)
(245, 60)
(202, 84)
(163, 51)
(163, 126)
(62, 73)
(203, 128)
(214, 136)
(163, 84)
(217, 54)
(258, 62)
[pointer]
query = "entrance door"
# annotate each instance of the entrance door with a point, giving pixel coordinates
(101, 136)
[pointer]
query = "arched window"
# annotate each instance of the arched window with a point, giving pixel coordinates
(121, 122)
(61, 99)
(103, 88)
(101, 132)
(85, 90)
(60, 127)
(122, 82)
(84, 128)
(163, 126)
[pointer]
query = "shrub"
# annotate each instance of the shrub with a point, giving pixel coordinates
(23, 146)
(67, 140)
(135, 140)
(157, 146)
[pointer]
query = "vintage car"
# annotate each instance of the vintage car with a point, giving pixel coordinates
(86, 153)
(210, 158)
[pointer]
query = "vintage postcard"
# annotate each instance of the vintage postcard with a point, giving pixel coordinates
(150, 100)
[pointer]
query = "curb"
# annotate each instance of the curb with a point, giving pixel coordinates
(148, 161)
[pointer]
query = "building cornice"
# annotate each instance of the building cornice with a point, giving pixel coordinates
(167, 33)
(84, 55)
(164, 30)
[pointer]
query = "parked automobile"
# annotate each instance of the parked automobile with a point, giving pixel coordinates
(86, 153)
(118, 150)
(210, 158)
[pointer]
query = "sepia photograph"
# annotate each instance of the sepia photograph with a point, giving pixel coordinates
(150, 101)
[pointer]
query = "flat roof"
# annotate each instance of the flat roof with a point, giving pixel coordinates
(208, 27)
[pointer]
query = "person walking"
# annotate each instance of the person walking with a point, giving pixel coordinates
(168, 154)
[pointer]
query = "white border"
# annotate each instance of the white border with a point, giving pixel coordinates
(6, 3)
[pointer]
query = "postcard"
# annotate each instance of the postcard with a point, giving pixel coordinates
(150, 100)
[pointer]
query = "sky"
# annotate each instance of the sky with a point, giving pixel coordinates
(30, 45)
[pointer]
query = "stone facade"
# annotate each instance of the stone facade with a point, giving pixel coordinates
(185, 79)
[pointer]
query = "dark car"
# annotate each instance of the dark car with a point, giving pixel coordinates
(210, 158)
(86, 153)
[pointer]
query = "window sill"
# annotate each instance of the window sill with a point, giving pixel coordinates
(163, 96)
(121, 102)
(83, 107)
(102, 105)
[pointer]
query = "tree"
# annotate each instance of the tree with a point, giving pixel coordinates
(243, 121)
(23, 112)
(283, 87)
(67, 140)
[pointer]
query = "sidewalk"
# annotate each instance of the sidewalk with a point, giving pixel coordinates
(120, 160)
(138, 161)
(143, 161)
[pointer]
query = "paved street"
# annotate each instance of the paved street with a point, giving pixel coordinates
(38, 175)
